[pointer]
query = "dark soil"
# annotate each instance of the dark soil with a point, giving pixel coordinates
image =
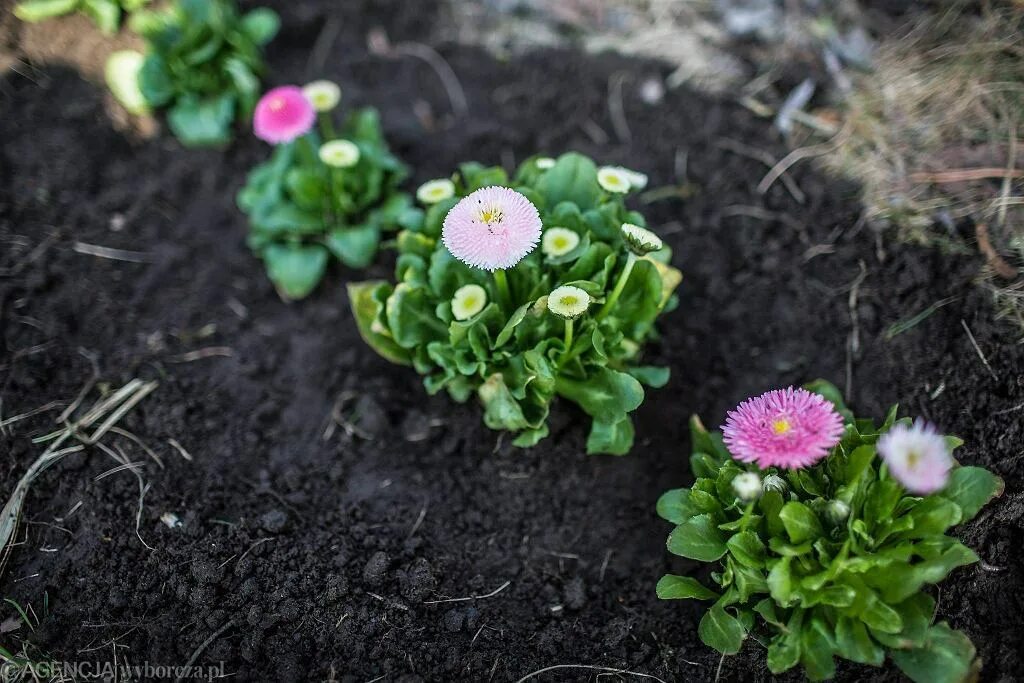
(313, 557)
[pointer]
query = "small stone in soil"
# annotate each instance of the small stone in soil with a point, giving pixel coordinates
(274, 522)
(376, 568)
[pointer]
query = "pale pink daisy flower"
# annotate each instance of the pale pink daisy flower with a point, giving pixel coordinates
(788, 428)
(282, 115)
(492, 228)
(918, 457)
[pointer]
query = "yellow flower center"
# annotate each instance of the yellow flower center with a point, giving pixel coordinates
(491, 214)
(912, 458)
(560, 243)
(781, 425)
(568, 301)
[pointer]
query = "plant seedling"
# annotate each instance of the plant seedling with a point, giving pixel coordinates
(477, 308)
(324, 191)
(825, 531)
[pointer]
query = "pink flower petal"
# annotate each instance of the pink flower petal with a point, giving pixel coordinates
(282, 115)
(492, 228)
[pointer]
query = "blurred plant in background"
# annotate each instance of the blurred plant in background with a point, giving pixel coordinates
(106, 13)
(203, 64)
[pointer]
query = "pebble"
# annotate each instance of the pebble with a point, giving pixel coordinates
(274, 522)
(376, 569)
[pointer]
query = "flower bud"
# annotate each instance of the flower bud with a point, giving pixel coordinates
(747, 486)
(837, 511)
(774, 482)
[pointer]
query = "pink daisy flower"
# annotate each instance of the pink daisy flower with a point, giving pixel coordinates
(918, 457)
(788, 428)
(492, 228)
(282, 115)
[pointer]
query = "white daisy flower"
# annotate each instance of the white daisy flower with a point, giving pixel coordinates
(640, 240)
(747, 486)
(468, 301)
(568, 301)
(918, 457)
(434, 191)
(323, 95)
(339, 153)
(637, 180)
(613, 179)
(544, 163)
(558, 241)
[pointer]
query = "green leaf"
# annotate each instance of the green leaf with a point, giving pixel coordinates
(411, 317)
(155, 81)
(295, 270)
(366, 299)
(971, 488)
(816, 650)
(611, 437)
(33, 11)
(106, 14)
(653, 377)
(572, 179)
(673, 587)
(199, 123)
(831, 394)
(932, 516)
(880, 617)
(261, 25)
(530, 437)
(800, 522)
(501, 411)
(674, 506)
(747, 548)
(355, 246)
(606, 395)
(947, 656)
(780, 582)
(510, 327)
(721, 631)
(122, 75)
(698, 538)
(916, 613)
(784, 650)
(854, 643)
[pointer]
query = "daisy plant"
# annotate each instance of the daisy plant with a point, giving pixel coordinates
(825, 533)
(203, 64)
(106, 14)
(325, 191)
(520, 290)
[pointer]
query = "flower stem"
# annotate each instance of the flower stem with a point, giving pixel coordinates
(326, 126)
(568, 341)
(504, 294)
(619, 286)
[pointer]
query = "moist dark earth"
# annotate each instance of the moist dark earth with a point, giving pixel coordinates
(310, 550)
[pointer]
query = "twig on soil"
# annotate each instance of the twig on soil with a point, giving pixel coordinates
(911, 322)
(41, 409)
(138, 442)
(803, 153)
(604, 565)
(471, 597)
(605, 669)
(737, 147)
(31, 258)
(616, 109)
(594, 132)
(1019, 406)
(181, 449)
(111, 253)
(199, 354)
(997, 262)
(974, 343)
(251, 548)
(419, 521)
(205, 644)
(379, 44)
(962, 175)
(853, 341)
(322, 46)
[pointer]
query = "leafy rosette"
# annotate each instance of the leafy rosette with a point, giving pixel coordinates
(203, 64)
(830, 560)
(318, 198)
(568, 320)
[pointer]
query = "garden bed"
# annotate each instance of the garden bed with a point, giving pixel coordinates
(311, 546)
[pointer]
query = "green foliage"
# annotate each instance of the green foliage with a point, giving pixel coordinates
(302, 211)
(203, 65)
(820, 585)
(512, 354)
(105, 13)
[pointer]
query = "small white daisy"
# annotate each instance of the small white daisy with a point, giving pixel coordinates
(323, 95)
(559, 241)
(339, 153)
(918, 457)
(434, 191)
(613, 179)
(568, 301)
(468, 301)
(637, 180)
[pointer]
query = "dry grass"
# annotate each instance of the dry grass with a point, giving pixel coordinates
(934, 140)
